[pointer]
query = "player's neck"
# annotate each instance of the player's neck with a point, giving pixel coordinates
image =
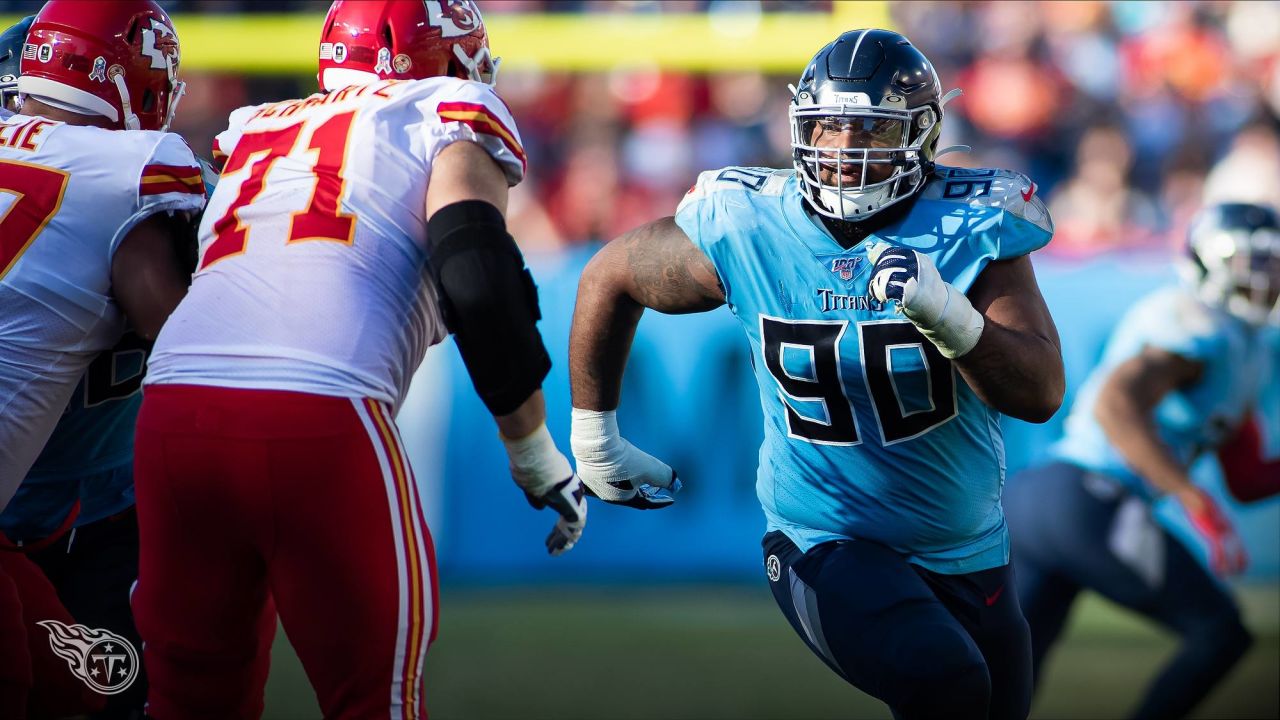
(848, 234)
(31, 106)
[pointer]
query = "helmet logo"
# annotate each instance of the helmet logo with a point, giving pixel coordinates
(160, 57)
(384, 61)
(99, 71)
(339, 53)
(454, 17)
(45, 53)
(859, 99)
(402, 63)
(28, 51)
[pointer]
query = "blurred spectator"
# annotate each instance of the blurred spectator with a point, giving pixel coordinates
(1118, 110)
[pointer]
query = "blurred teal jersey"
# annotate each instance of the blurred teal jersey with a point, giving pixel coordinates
(89, 456)
(1236, 358)
(869, 431)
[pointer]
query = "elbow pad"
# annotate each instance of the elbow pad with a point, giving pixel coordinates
(489, 301)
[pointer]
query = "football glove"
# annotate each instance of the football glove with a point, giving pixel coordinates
(613, 469)
(546, 477)
(1226, 551)
(942, 313)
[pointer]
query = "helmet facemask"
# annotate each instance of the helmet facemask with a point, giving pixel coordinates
(854, 159)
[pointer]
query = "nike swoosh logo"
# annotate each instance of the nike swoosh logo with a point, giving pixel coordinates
(993, 597)
(1028, 193)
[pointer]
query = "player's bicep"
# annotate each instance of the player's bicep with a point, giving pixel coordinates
(147, 277)
(659, 267)
(1007, 293)
(465, 171)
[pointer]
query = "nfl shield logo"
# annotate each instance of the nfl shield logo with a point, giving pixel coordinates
(844, 267)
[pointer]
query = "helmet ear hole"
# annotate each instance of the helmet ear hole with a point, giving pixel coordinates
(387, 37)
(148, 101)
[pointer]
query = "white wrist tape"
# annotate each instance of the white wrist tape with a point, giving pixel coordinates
(536, 463)
(947, 319)
(612, 467)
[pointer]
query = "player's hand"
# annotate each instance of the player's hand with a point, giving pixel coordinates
(911, 279)
(546, 477)
(1226, 552)
(943, 313)
(613, 469)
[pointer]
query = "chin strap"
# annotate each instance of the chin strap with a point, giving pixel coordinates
(131, 121)
(951, 95)
(179, 89)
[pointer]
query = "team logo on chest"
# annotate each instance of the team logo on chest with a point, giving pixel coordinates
(844, 267)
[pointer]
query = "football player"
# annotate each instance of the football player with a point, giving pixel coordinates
(94, 196)
(1179, 377)
(893, 315)
(351, 230)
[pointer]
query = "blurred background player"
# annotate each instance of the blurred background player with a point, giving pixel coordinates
(881, 470)
(1181, 376)
(113, 204)
(351, 230)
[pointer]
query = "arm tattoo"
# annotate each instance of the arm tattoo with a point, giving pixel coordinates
(667, 272)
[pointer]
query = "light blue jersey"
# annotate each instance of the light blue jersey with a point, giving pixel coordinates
(1191, 420)
(869, 431)
(89, 456)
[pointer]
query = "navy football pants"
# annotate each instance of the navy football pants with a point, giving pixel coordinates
(1072, 529)
(928, 645)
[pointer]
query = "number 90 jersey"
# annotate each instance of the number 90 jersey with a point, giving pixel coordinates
(870, 433)
(313, 251)
(68, 196)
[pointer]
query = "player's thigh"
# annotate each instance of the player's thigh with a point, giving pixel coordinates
(353, 573)
(201, 602)
(865, 611)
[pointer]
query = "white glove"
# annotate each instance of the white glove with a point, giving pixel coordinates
(613, 470)
(546, 477)
(943, 313)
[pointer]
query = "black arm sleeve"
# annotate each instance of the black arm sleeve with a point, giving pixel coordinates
(490, 302)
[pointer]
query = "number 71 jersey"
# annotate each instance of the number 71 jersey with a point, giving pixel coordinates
(870, 433)
(313, 251)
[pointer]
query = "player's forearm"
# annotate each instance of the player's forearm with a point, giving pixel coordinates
(1018, 373)
(1130, 428)
(604, 324)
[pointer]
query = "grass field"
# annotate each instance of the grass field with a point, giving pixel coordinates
(726, 652)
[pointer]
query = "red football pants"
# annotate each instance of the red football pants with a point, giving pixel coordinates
(249, 497)
(35, 682)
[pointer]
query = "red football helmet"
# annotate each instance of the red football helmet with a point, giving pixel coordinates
(405, 40)
(115, 58)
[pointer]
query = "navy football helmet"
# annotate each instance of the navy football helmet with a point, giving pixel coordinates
(11, 41)
(865, 121)
(1233, 253)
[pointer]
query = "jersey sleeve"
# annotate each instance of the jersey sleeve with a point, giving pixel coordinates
(170, 180)
(472, 111)
(701, 215)
(1176, 323)
(1025, 225)
(224, 143)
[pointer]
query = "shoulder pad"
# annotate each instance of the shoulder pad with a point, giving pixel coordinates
(1005, 190)
(763, 181)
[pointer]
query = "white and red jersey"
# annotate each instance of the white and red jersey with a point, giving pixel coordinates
(68, 196)
(313, 269)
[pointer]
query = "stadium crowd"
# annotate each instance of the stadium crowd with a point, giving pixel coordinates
(1127, 114)
(1095, 100)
